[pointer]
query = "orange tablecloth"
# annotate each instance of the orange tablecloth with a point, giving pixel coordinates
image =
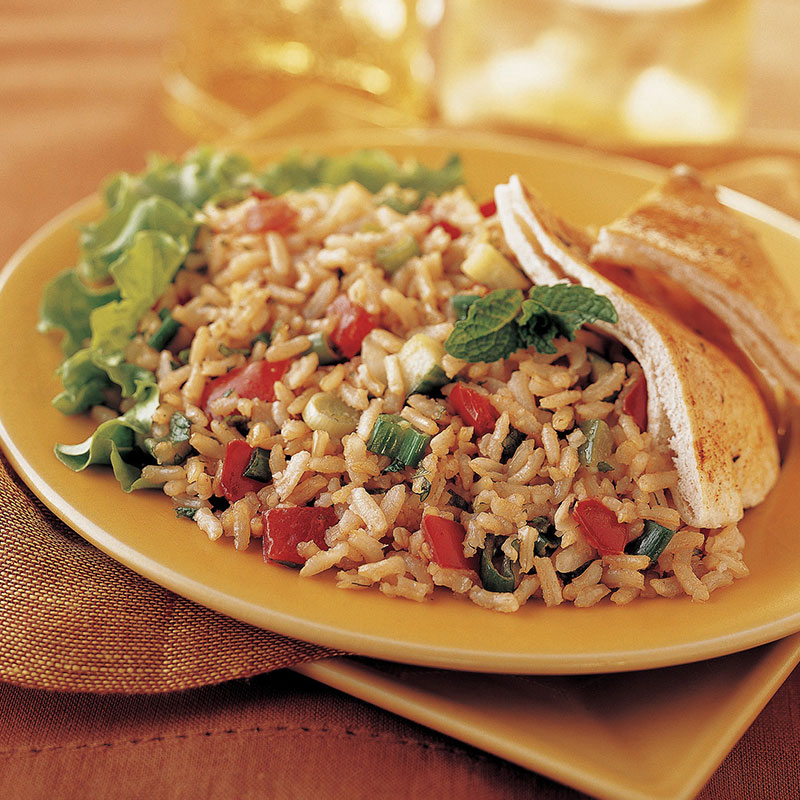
(79, 97)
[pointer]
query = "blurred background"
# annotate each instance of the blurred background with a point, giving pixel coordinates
(95, 85)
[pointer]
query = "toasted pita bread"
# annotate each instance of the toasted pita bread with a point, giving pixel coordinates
(681, 230)
(700, 404)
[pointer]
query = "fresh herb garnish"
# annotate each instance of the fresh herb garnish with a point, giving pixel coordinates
(503, 322)
(423, 483)
(604, 466)
(180, 428)
(185, 511)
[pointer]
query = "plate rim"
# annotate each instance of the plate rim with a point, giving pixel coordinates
(369, 644)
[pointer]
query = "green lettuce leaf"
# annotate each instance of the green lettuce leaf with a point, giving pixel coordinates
(83, 381)
(105, 242)
(114, 439)
(373, 169)
(142, 274)
(66, 305)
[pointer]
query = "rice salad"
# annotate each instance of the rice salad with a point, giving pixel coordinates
(338, 361)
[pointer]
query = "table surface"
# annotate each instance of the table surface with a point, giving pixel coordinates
(79, 89)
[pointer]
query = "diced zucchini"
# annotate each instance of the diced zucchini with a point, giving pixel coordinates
(395, 437)
(652, 541)
(393, 256)
(599, 364)
(461, 304)
(598, 445)
(326, 412)
(487, 265)
(322, 347)
(421, 362)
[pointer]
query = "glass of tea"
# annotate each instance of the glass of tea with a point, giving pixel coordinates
(609, 71)
(233, 60)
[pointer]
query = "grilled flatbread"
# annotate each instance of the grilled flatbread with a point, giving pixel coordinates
(700, 404)
(682, 231)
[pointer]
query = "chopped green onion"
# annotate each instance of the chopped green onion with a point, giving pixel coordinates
(397, 438)
(461, 304)
(401, 205)
(652, 541)
(393, 256)
(321, 345)
(166, 331)
(495, 580)
(224, 350)
(264, 336)
(258, 466)
(185, 511)
(179, 428)
(604, 466)
(568, 577)
(510, 444)
(548, 541)
(183, 355)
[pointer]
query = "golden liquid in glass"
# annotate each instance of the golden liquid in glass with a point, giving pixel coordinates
(236, 58)
(596, 70)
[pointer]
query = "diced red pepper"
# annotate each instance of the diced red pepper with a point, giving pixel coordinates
(600, 527)
(474, 408)
(488, 209)
(446, 540)
(261, 194)
(251, 380)
(453, 231)
(353, 323)
(285, 528)
(270, 214)
(234, 484)
(635, 403)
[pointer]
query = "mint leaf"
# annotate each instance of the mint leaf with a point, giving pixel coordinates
(559, 310)
(488, 333)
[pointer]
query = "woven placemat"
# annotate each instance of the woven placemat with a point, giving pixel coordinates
(72, 619)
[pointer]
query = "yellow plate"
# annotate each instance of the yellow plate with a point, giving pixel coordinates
(140, 530)
(610, 736)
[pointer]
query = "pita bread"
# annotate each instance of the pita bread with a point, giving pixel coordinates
(700, 404)
(682, 231)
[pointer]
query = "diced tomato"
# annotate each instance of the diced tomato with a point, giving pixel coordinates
(446, 540)
(270, 214)
(474, 408)
(635, 403)
(600, 527)
(488, 209)
(252, 380)
(261, 194)
(453, 231)
(234, 484)
(353, 323)
(285, 528)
